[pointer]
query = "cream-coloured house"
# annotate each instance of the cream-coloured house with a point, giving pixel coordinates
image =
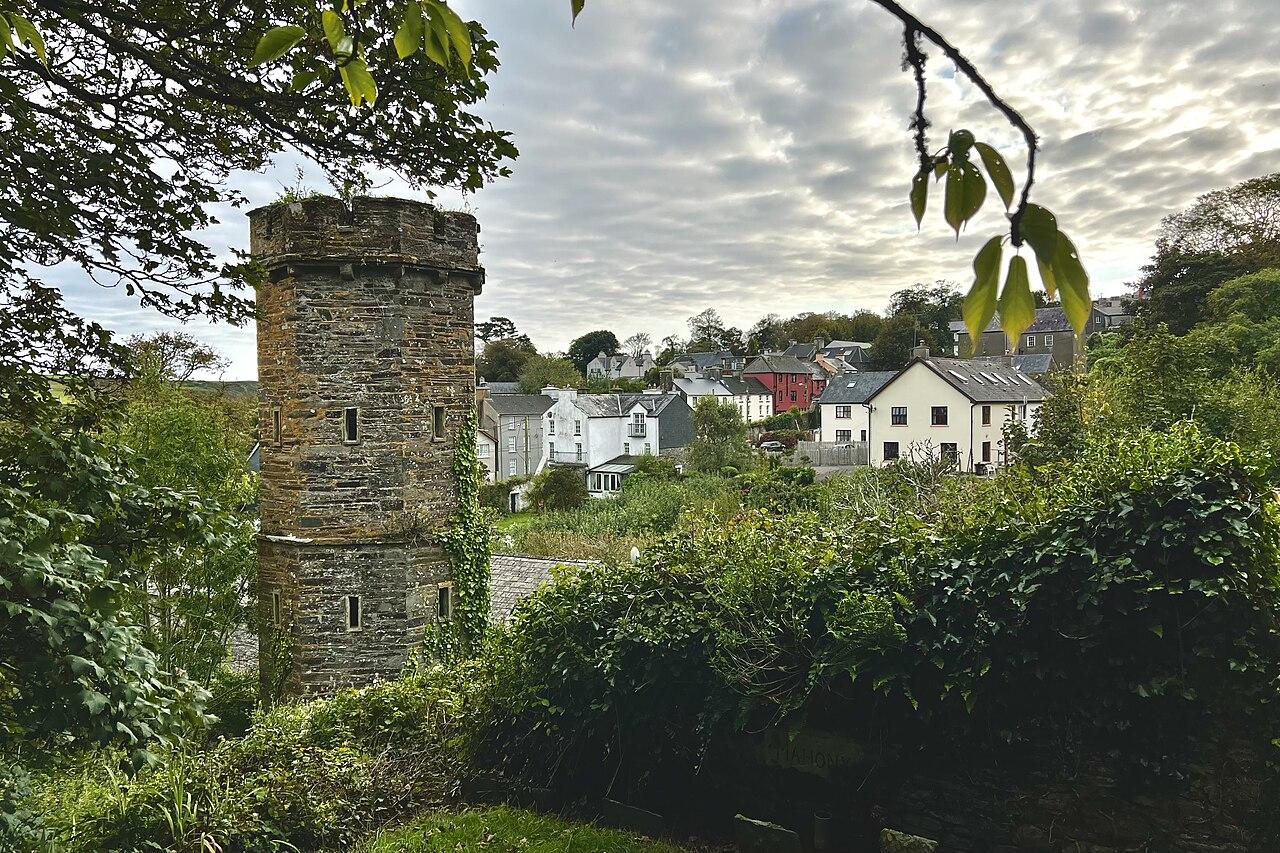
(950, 408)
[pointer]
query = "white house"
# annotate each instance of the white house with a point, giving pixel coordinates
(753, 399)
(843, 411)
(602, 433)
(605, 366)
(951, 408)
(487, 453)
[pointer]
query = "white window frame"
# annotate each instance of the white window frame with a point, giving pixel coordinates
(1031, 340)
(1048, 340)
(577, 426)
(578, 448)
(511, 444)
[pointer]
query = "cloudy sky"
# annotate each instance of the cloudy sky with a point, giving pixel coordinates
(753, 156)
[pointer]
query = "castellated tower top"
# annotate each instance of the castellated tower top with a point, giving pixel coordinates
(379, 231)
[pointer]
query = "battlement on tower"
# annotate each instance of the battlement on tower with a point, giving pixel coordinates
(372, 231)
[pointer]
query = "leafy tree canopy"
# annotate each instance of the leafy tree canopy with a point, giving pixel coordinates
(590, 345)
(541, 371)
(720, 437)
(495, 328)
(504, 359)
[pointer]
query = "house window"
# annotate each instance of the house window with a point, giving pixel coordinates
(863, 434)
(444, 602)
(354, 615)
(482, 450)
(950, 453)
(898, 416)
(277, 611)
(437, 423)
(1048, 340)
(793, 396)
(578, 450)
(351, 425)
(511, 444)
(511, 468)
(844, 411)
(844, 435)
(986, 451)
(511, 425)
(938, 415)
(986, 416)
(890, 451)
(275, 425)
(626, 448)
(1031, 340)
(577, 427)
(648, 449)
(551, 427)
(552, 447)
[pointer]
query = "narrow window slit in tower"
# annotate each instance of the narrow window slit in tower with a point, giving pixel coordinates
(275, 425)
(437, 422)
(444, 602)
(276, 610)
(351, 425)
(354, 615)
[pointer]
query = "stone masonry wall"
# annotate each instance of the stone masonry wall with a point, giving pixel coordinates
(369, 307)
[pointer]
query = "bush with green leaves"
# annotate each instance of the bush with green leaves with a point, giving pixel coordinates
(315, 776)
(558, 487)
(1147, 570)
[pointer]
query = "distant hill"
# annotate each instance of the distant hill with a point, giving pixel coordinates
(238, 388)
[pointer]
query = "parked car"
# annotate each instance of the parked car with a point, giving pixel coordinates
(772, 446)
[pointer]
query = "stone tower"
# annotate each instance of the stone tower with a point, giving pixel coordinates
(366, 368)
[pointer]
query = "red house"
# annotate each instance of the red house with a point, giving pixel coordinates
(793, 382)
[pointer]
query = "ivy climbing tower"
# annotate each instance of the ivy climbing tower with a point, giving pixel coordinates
(366, 369)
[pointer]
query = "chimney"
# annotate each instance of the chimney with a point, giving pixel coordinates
(713, 373)
(819, 342)
(791, 342)
(551, 391)
(920, 350)
(666, 379)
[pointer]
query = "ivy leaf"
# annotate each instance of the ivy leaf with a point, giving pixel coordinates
(28, 33)
(1073, 283)
(359, 82)
(998, 169)
(459, 35)
(576, 6)
(1039, 227)
(409, 37)
(1017, 306)
(919, 195)
(334, 30)
(980, 305)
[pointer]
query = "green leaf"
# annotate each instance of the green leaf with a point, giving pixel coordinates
(959, 144)
(359, 82)
(576, 6)
(998, 169)
(980, 304)
(409, 37)
(965, 193)
(940, 167)
(1017, 306)
(334, 30)
(919, 194)
(6, 36)
(437, 40)
(302, 80)
(1047, 277)
(1039, 227)
(459, 34)
(30, 35)
(275, 43)
(1073, 283)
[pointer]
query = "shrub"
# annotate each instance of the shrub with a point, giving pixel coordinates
(558, 488)
(233, 699)
(1146, 570)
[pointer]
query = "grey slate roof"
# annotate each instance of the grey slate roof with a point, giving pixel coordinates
(1033, 364)
(984, 381)
(855, 387)
(746, 385)
(804, 352)
(703, 360)
(599, 405)
(654, 404)
(514, 578)
(502, 387)
(521, 404)
(777, 363)
(1052, 319)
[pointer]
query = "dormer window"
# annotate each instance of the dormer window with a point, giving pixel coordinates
(350, 425)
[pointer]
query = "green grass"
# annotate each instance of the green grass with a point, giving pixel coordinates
(507, 830)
